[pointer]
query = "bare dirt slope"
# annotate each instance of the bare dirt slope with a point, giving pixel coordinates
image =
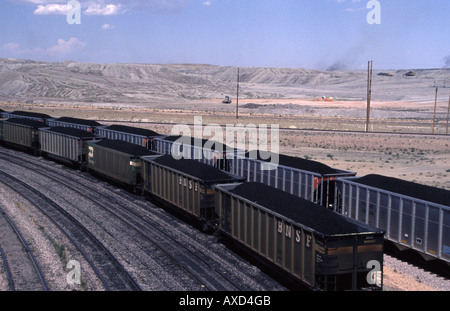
(151, 84)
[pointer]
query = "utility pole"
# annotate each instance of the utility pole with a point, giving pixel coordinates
(435, 104)
(237, 96)
(448, 113)
(369, 92)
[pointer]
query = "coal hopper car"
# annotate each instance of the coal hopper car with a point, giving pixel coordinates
(304, 178)
(118, 162)
(304, 241)
(414, 216)
(22, 133)
(210, 152)
(81, 124)
(138, 136)
(186, 186)
(40, 117)
(66, 144)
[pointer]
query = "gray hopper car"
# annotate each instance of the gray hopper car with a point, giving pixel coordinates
(118, 161)
(81, 124)
(313, 245)
(187, 185)
(41, 117)
(413, 216)
(67, 144)
(22, 133)
(137, 136)
(209, 152)
(304, 178)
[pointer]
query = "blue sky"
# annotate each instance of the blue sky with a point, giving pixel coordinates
(314, 34)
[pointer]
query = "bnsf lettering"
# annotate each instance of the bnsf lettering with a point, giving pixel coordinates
(287, 229)
(186, 183)
(308, 240)
(298, 238)
(298, 235)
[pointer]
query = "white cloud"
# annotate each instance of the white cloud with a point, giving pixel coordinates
(43, 2)
(61, 9)
(11, 47)
(65, 47)
(98, 9)
(351, 10)
(62, 48)
(107, 27)
(157, 6)
(108, 7)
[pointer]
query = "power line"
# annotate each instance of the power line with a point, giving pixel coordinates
(237, 96)
(435, 105)
(369, 91)
(448, 113)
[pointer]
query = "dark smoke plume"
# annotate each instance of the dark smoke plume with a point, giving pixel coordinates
(447, 61)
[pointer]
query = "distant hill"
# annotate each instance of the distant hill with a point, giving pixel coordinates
(25, 80)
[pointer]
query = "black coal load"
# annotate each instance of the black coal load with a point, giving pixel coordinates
(31, 114)
(299, 210)
(78, 121)
(27, 122)
(191, 140)
(125, 147)
(194, 168)
(132, 130)
(202, 143)
(294, 162)
(71, 132)
(422, 192)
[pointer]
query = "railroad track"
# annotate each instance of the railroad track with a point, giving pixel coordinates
(173, 253)
(106, 266)
(22, 269)
(129, 213)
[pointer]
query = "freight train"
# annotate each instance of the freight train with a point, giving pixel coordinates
(282, 217)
